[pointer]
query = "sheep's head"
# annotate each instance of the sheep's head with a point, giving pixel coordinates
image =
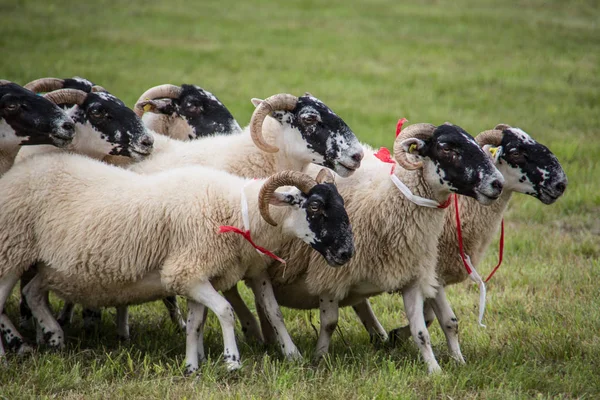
(451, 161)
(201, 111)
(319, 217)
(104, 124)
(314, 132)
(31, 119)
(528, 166)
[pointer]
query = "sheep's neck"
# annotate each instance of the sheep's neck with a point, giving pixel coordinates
(480, 223)
(7, 158)
(263, 234)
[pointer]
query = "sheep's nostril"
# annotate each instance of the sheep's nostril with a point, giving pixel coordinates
(147, 141)
(358, 156)
(560, 187)
(497, 185)
(68, 126)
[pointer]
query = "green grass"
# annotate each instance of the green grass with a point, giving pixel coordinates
(533, 64)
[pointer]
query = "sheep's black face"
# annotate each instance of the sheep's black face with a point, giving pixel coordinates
(201, 110)
(325, 136)
(460, 165)
(204, 113)
(530, 167)
(329, 231)
(32, 119)
(119, 130)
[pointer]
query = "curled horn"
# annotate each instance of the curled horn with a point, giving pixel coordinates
(492, 137)
(4, 82)
(502, 127)
(307, 94)
(281, 101)
(98, 89)
(285, 178)
(419, 131)
(66, 96)
(45, 85)
(157, 92)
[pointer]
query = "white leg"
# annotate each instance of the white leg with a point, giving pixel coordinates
(448, 322)
(195, 312)
(265, 299)
(36, 297)
(250, 326)
(174, 312)
(66, 314)
(413, 304)
(205, 294)
(7, 283)
(369, 320)
(12, 337)
(329, 311)
(402, 334)
(123, 322)
(203, 312)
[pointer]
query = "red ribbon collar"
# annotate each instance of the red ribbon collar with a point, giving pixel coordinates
(461, 246)
(246, 235)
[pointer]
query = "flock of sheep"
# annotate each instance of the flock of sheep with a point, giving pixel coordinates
(107, 207)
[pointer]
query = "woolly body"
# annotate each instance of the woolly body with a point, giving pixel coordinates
(64, 209)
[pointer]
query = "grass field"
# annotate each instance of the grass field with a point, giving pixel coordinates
(533, 64)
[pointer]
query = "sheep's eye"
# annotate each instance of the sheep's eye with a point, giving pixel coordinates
(310, 119)
(446, 148)
(194, 106)
(12, 107)
(514, 152)
(96, 113)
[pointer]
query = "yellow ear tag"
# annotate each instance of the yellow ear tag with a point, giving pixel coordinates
(147, 107)
(493, 151)
(412, 148)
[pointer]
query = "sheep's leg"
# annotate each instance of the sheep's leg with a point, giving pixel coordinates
(123, 322)
(249, 324)
(174, 312)
(92, 318)
(7, 283)
(36, 297)
(205, 293)
(265, 299)
(66, 314)
(329, 312)
(448, 322)
(193, 335)
(26, 317)
(402, 334)
(413, 304)
(12, 336)
(267, 330)
(200, 330)
(369, 320)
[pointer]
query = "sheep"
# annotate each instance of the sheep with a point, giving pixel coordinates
(528, 167)
(103, 126)
(301, 129)
(63, 209)
(185, 112)
(192, 110)
(27, 120)
(395, 239)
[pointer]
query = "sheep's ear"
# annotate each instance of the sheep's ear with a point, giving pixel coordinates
(494, 152)
(413, 146)
(256, 102)
(159, 106)
(281, 199)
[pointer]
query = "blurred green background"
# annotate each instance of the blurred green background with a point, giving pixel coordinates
(533, 64)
